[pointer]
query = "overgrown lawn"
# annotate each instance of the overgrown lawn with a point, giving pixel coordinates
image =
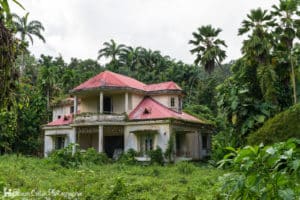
(110, 181)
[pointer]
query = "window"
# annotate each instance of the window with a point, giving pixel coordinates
(146, 143)
(72, 109)
(204, 142)
(59, 142)
(179, 104)
(172, 102)
(58, 116)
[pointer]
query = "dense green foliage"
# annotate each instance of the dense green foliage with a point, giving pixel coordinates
(111, 181)
(72, 156)
(281, 127)
(263, 172)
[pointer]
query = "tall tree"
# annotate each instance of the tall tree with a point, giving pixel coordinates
(27, 28)
(111, 51)
(208, 48)
(286, 31)
(257, 51)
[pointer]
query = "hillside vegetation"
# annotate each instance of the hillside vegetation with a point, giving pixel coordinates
(283, 126)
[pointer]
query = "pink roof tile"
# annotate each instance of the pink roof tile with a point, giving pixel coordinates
(65, 120)
(162, 86)
(111, 79)
(151, 109)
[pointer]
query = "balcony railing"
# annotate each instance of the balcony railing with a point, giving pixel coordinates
(97, 117)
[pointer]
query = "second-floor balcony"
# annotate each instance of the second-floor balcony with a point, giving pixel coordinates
(85, 118)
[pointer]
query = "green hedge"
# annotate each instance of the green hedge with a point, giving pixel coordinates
(283, 126)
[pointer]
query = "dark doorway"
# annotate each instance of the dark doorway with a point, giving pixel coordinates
(107, 105)
(111, 143)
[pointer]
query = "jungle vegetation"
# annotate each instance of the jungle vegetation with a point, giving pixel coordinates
(240, 97)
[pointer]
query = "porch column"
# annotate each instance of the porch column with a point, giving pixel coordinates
(101, 102)
(126, 102)
(100, 140)
(72, 139)
(75, 105)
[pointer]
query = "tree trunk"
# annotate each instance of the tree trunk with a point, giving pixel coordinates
(293, 80)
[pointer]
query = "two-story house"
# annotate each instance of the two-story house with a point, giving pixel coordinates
(113, 113)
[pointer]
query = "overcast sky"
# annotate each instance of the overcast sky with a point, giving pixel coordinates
(78, 28)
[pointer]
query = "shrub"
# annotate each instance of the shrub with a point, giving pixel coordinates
(263, 172)
(69, 157)
(283, 126)
(92, 156)
(128, 157)
(170, 149)
(156, 156)
(185, 167)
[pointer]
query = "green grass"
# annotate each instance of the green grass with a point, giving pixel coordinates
(111, 181)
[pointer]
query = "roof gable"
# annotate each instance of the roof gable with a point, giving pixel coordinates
(151, 109)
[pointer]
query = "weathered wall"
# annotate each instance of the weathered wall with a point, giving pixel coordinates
(161, 139)
(89, 104)
(50, 134)
(166, 100)
(135, 99)
(60, 111)
(118, 102)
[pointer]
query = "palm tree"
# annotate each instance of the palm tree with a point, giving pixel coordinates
(130, 57)
(208, 48)
(257, 26)
(287, 30)
(257, 50)
(111, 50)
(27, 29)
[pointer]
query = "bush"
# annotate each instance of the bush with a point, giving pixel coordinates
(92, 156)
(263, 172)
(156, 156)
(128, 157)
(185, 167)
(69, 157)
(283, 126)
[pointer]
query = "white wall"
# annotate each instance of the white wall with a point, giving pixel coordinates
(161, 139)
(60, 111)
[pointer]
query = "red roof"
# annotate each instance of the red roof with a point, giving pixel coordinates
(163, 86)
(111, 79)
(151, 109)
(65, 120)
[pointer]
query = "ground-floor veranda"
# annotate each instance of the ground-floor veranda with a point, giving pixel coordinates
(190, 142)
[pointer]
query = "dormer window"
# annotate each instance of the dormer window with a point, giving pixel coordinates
(172, 102)
(58, 117)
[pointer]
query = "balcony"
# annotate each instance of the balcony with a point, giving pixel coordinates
(86, 118)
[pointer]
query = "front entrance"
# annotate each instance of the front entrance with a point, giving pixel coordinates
(113, 144)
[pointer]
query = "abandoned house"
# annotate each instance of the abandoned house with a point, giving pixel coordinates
(114, 113)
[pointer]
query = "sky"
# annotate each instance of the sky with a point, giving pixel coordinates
(78, 28)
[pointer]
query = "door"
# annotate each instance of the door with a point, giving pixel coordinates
(112, 143)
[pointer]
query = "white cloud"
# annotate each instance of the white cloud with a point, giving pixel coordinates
(77, 28)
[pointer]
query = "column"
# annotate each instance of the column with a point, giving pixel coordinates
(126, 102)
(72, 139)
(75, 105)
(48, 145)
(101, 102)
(100, 138)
